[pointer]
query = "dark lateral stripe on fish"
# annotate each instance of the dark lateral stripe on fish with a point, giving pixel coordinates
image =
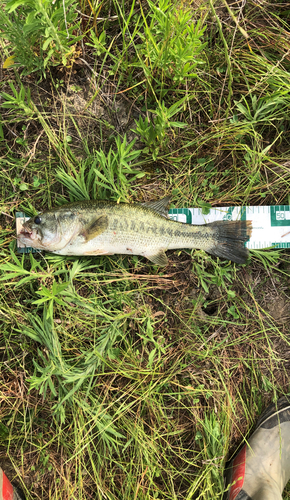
(154, 229)
(237, 230)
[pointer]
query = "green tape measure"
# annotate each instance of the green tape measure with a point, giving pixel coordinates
(270, 223)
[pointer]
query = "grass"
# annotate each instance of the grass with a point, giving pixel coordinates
(120, 379)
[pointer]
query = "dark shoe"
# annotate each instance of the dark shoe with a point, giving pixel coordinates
(261, 469)
(7, 491)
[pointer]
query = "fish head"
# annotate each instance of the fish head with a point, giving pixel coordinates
(44, 231)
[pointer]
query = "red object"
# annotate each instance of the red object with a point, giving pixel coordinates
(7, 488)
(239, 467)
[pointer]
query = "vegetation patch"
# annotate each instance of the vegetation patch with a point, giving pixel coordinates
(119, 378)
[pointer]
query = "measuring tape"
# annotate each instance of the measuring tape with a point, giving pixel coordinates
(271, 224)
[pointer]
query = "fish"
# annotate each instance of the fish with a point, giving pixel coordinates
(101, 227)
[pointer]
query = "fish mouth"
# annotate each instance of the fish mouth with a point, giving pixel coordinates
(26, 233)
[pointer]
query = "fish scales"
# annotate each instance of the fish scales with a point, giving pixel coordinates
(123, 231)
(103, 227)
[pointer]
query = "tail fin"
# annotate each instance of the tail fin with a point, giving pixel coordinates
(230, 240)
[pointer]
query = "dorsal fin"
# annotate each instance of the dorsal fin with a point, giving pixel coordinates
(159, 206)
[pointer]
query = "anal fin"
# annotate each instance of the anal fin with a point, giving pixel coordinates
(160, 258)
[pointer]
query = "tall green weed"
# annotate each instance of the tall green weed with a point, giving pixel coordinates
(40, 33)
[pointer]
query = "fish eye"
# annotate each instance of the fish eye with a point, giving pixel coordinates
(37, 220)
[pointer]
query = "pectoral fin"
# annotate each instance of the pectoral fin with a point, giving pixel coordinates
(98, 226)
(160, 258)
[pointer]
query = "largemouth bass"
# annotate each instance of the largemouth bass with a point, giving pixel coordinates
(105, 228)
